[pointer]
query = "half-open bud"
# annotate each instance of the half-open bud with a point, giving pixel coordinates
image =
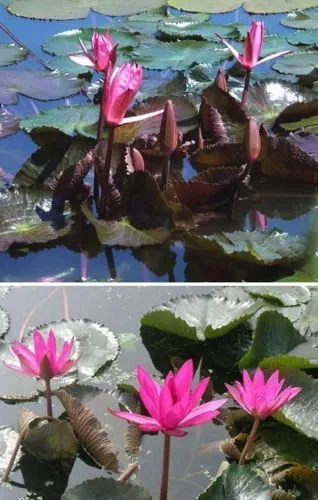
(136, 159)
(169, 134)
(252, 141)
(220, 80)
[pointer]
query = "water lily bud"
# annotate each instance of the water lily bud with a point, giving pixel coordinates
(252, 140)
(221, 80)
(169, 134)
(46, 370)
(137, 159)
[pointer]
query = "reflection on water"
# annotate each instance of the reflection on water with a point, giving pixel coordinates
(194, 458)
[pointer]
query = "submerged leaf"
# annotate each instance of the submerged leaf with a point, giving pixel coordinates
(89, 431)
(106, 489)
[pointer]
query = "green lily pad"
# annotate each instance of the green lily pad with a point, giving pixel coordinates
(95, 345)
(300, 63)
(301, 20)
(182, 29)
(41, 85)
(67, 42)
(278, 344)
(103, 488)
(239, 482)
(11, 54)
(122, 233)
(303, 38)
(8, 439)
(4, 322)
(285, 295)
(209, 6)
(264, 7)
(178, 55)
(257, 247)
(20, 222)
(200, 317)
(64, 64)
(301, 413)
(307, 324)
(308, 125)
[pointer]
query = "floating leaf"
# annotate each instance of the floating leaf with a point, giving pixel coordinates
(209, 6)
(301, 20)
(8, 439)
(52, 440)
(103, 488)
(122, 233)
(257, 247)
(285, 295)
(239, 482)
(9, 124)
(40, 85)
(296, 116)
(200, 316)
(4, 322)
(20, 222)
(89, 432)
(183, 28)
(278, 344)
(303, 38)
(96, 345)
(67, 42)
(302, 412)
(300, 63)
(11, 54)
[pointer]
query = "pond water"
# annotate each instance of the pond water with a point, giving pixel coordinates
(120, 309)
(290, 211)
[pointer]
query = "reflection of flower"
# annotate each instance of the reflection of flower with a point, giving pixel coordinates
(252, 47)
(259, 398)
(258, 221)
(173, 405)
(103, 52)
(43, 361)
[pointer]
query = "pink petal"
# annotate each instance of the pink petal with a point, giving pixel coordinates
(65, 352)
(66, 367)
(138, 118)
(39, 345)
(198, 392)
(29, 366)
(21, 369)
(203, 413)
(148, 384)
(184, 377)
(149, 404)
(51, 346)
(175, 432)
(273, 56)
(134, 417)
(82, 60)
(165, 404)
(150, 428)
(174, 416)
(21, 350)
(230, 47)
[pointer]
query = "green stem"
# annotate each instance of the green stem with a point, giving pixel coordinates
(100, 130)
(165, 468)
(104, 201)
(48, 394)
(250, 440)
(246, 88)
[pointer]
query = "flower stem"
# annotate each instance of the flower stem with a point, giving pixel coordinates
(165, 173)
(106, 171)
(165, 468)
(250, 440)
(126, 475)
(48, 394)
(17, 41)
(246, 88)
(100, 130)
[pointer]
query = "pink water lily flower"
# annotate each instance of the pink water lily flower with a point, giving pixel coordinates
(43, 361)
(259, 398)
(253, 47)
(173, 405)
(120, 88)
(102, 54)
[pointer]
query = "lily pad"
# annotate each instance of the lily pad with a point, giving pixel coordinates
(11, 54)
(300, 63)
(4, 322)
(122, 233)
(257, 247)
(20, 222)
(95, 345)
(40, 85)
(103, 488)
(278, 344)
(308, 37)
(67, 42)
(301, 20)
(302, 412)
(285, 295)
(8, 439)
(180, 29)
(239, 482)
(200, 317)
